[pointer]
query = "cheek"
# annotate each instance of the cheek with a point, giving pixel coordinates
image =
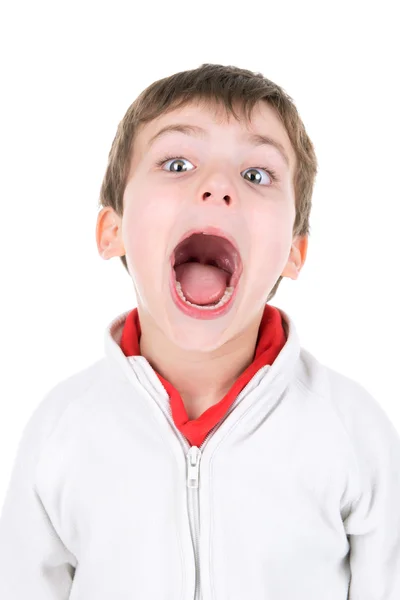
(153, 205)
(272, 238)
(149, 217)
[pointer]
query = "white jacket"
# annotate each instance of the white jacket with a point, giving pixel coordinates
(295, 495)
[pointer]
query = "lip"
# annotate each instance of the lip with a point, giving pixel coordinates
(211, 230)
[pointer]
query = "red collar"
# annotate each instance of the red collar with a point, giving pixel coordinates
(270, 341)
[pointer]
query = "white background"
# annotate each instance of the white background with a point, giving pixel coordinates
(69, 71)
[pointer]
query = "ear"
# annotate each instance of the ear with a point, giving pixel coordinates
(109, 233)
(297, 257)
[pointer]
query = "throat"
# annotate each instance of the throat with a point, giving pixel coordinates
(195, 408)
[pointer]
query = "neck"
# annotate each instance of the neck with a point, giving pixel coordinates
(202, 379)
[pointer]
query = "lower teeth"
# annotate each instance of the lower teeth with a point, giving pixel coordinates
(224, 299)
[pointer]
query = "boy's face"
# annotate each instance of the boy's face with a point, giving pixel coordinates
(222, 180)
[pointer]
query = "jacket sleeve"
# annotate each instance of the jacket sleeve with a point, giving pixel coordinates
(373, 524)
(34, 563)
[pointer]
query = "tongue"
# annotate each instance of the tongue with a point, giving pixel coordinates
(202, 284)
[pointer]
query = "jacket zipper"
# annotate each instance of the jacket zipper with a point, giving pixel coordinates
(193, 457)
(193, 466)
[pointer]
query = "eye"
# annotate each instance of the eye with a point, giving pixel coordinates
(256, 177)
(178, 162)
(178, 166)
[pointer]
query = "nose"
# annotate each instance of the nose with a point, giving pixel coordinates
(217, 186)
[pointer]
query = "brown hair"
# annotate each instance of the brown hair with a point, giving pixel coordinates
(224, 86)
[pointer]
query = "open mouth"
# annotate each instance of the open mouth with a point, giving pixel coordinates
(206, 270)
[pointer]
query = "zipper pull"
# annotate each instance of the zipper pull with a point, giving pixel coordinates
(193, 462)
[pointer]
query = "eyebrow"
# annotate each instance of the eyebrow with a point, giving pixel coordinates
(255, 139)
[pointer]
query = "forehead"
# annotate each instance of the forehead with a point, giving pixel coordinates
(216, 120)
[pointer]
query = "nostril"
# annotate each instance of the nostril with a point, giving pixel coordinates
(226, 198)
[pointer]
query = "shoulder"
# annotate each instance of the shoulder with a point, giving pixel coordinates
(361, 413)
(61, 399)
(356, 407)
(372, 438)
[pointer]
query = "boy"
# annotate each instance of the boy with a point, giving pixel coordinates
(207, 455)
